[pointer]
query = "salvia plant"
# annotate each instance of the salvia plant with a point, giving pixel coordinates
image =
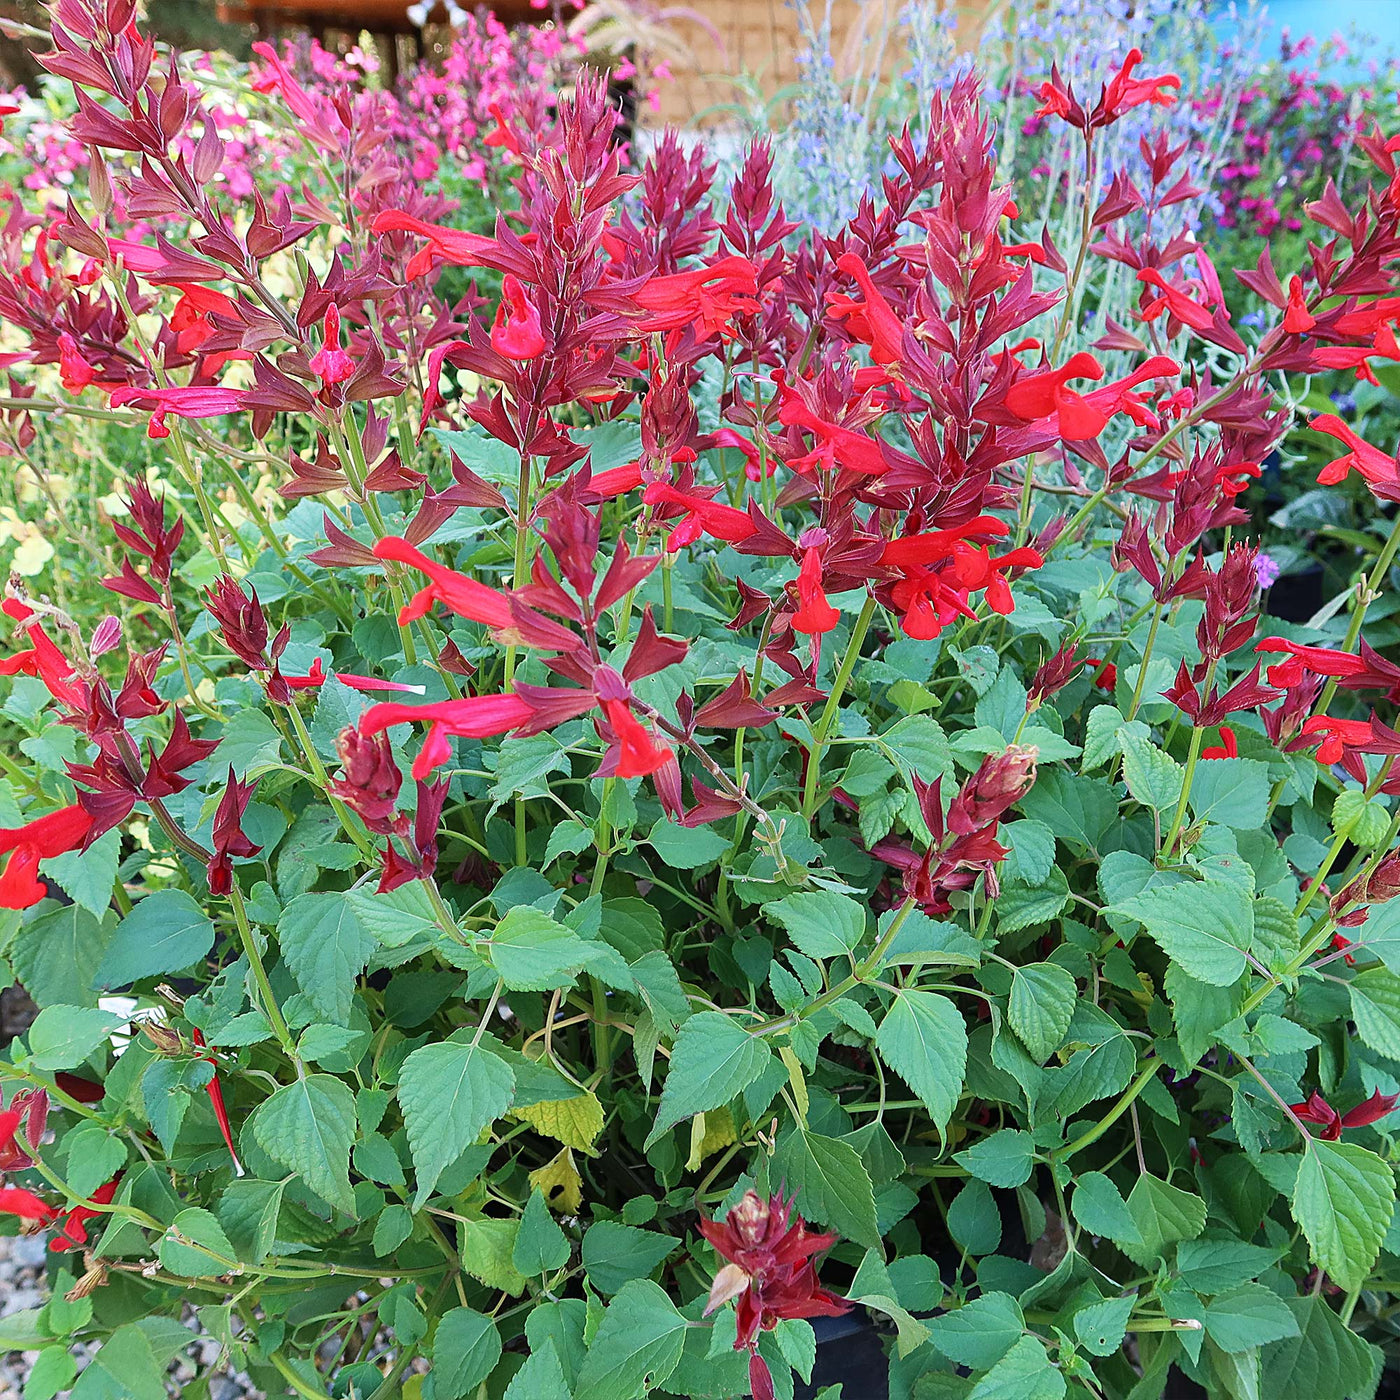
(725, 785)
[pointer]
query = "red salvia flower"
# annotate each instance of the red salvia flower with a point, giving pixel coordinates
(516, 332)
(475, 717)
(706, 297)
(1179, 305)
(639, 753)
(370, 781)
(1380, 471)
(1043, 395)
(70, 1230)
(15, 1200)
(871, 320)
(74, 372)
(1124, 92)
(769, 1272)
(333, 364)
(1228, 746)
(188, 401)
(51, 835)
(814, 614)
(1316, 1109)
(702, 516)
(216, 1102)
(1296, 317)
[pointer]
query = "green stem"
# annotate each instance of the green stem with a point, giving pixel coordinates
(1192, 758)
(1125, 1102)
(1146, 657)
(250, 948)
(833, 705)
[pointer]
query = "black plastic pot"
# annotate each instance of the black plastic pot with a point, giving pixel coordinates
(849, 1351)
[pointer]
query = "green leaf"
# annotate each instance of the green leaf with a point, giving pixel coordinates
(614, 1253)
(449, 1093)
(713, 1060)
(831, 1182)
(88, 876)
(974, 1221)
(394, 1226)
(1343, 1199)
(1032, 851)
(308, 1127)
(533, 952)
(541, 1377)
(687, 847)
(62, 1037)
(541, 1246)
(1215, 1266)
(820, 924)
(58, 954)
(979, 1333)
(248, 1212)
(466, 1348)
(1101, 1327)
(924, 1040)
(1154, 778)
(180, 1249)
(53, 1370)
(325, 946)
(125, 1368)
(1163, 1215)
(637, 1346)
(569, 837)
(1375, 1007)
(1248, 1316)
(166, 932)
(1024, 1373)
(1003, 1159)
(1043, 998)
(1200, 1011)
(1231, 791)
(1204, 926)
(1326, 1360)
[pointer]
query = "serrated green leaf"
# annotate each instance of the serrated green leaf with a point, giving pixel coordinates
(1024, 1373)
(325, 946)
(449, 1093)
(979, 1333)
(308, 1127)
(924, 1040)
(1004, 1159)
(713, 1060)
(1043, 998)
(1204, 926)
(533, 952)
(165, 932)
(190, 1243)
(1375, 1007)
(820, 924)
(614, 1253)
(1163, 1214)
(1101, 1327)
(637, 1346)
(1248, 1316)
(1154, 778)
(466, 1347)
(1343, 1198)
(62, 1037)
(831, 1184)
(541, 1246)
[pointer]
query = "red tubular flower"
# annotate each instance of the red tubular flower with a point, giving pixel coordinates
(1337, 735)
(639, 754)
(460, 594)
(516, 332)
(1175, 302)
(1296, 317)
(1227, 748)
(15, 1200)
(1381, 471)
(976, 569)
(1321, 661)
(333, 364)
(501, 134)
(74, 372)
(871, 320)
(1316, 1109)
(216, 1102)
(1044, 395)
(452, 245)
(475, 717)
(814, 614)
(706, 297)
(69, 1230)
(910, 551)
(616, 481)
(769, 1270)
(927, 604)
(186, 401)
(702, 516)
(229, 839)
(370, 783)
(51, 835)
(1124, 92)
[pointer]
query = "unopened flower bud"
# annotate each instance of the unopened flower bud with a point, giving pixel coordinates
(164, 1039)
(371, 780)
(1001, 781)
